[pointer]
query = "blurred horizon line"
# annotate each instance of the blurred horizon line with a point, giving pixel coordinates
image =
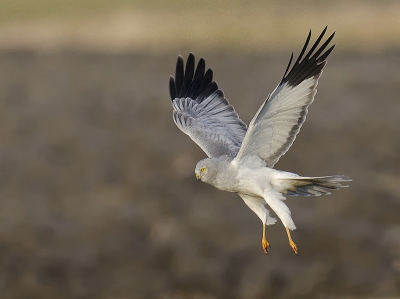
(254, 28)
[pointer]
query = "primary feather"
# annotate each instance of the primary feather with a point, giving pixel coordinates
(280, 118)
(202, 111)
(240, 158)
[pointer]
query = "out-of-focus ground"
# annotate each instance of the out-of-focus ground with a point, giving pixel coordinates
(98, 197)
(225, 25)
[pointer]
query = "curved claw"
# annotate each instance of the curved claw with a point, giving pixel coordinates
(264, 241)
(294, 247)
(265, 245)
(291, 243)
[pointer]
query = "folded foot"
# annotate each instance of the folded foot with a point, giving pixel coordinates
(264, 241)
(291, 243)
(294, 247)
(265, 245)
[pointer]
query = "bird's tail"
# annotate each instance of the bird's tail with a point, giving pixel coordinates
(314, 186)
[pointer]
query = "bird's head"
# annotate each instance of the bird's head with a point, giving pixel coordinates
(204, 170)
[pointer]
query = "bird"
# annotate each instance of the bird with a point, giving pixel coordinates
(241, 158)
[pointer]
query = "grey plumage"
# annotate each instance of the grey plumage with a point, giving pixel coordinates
(240, 158)
(202, 112)
(283, 113)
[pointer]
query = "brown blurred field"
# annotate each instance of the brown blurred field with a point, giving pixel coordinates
(250, 26)
(97, 193)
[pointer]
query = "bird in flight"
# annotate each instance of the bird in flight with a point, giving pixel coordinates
(240, 157)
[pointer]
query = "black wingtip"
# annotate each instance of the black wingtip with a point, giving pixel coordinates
(188, 75)
(311, 64)
(179, 73)
(191, 81)
(172, 88)
(317, 42)
(198, 78)
(326, 43)
(327, 52)
(303, 50)
(211, 88)
(288, 66)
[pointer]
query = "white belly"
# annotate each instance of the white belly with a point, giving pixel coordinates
(256, 178)
(252, 176)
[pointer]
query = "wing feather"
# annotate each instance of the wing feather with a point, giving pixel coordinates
(278, 121)
(202, 111)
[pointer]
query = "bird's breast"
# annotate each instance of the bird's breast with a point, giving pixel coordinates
(250, 181)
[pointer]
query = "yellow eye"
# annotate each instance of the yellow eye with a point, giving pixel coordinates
(203, 169)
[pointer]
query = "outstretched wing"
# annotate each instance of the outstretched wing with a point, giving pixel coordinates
(202, 112)
(277, 122)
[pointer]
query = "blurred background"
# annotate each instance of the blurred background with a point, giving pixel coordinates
(98, 197)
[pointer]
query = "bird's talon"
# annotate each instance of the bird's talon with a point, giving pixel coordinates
(294, 247)
(265, 245)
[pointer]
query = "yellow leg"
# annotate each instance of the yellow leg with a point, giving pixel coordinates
(264, 241)
(291, 243)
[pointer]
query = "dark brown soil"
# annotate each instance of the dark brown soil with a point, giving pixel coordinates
(99, 199)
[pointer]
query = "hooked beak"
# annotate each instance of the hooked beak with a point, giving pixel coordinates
(197, 177)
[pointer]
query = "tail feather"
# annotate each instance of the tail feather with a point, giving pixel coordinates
(314, 186)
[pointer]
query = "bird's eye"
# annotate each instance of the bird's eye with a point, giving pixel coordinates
(203, 169)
